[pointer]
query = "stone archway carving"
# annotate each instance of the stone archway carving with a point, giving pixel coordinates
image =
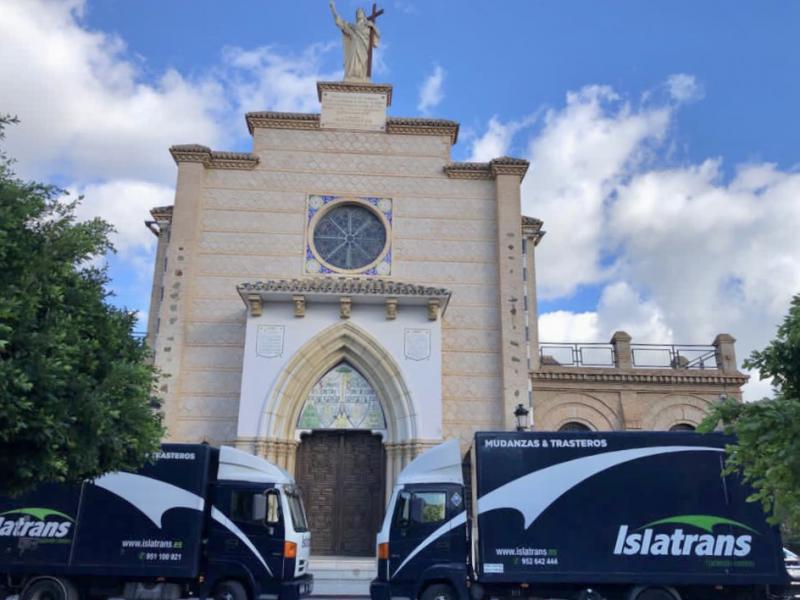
(669, 410)
(340, 342)
(579, 407)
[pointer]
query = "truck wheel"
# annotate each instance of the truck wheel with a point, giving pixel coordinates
(229, 590)
(50, 588)
(653, 593)
(439, 591)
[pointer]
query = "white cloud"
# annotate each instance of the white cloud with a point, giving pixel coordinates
(89, 112)
(496, 140)
(684, 88)
(94, 116)
(431, 92)
(126, 205)
(680, 254)
(579, 157)
(265, 79)
(84, 108)
(566, 326)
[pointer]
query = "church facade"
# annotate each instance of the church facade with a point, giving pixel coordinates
(346, 295)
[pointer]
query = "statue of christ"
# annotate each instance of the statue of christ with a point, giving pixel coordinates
(359, 40)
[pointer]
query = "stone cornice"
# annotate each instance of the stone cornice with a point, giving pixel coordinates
(505, 165)
(335, 289)
(212, 159)
(161, 213)
(353, 286)
(508, 165)
(351, 86)
(468, 170)
(396, 125)
(281, 120)
(418, 126)
(532, 229)
(648, 376)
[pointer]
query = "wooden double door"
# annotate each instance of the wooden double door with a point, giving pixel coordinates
(341, 475)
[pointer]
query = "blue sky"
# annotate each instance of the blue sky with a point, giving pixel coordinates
(663, 135)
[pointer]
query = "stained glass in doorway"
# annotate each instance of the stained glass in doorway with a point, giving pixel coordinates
(342, 399)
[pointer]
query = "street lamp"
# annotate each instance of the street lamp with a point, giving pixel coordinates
(521, 413)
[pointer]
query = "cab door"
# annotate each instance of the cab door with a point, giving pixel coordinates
(250, 529)
(421, 511)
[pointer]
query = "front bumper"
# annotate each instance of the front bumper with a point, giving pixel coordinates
(297, 588)
(380, 590)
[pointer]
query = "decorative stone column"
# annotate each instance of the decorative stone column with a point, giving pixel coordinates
(508, 174)
(176, 306)
(160, 226)
(621, 341)
(532, 234)
(725, 353)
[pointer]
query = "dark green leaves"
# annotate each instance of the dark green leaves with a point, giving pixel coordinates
(76, 388)
(768, 431)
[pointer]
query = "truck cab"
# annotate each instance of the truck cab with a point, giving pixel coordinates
(258, 528)
(422, 544)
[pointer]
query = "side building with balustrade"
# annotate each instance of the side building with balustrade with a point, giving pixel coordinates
(621, 385)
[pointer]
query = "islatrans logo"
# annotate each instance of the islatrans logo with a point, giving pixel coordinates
(652, 540)
(35, 523)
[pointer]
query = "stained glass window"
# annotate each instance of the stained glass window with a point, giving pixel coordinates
(342, 399)
(349, 237)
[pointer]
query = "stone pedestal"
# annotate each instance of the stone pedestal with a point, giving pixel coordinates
(354, 106)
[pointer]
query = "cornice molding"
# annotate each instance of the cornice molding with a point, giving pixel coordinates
(419, 126)
(353, 286)
(468, 170)
(357, 87)
(660, 377)
(213, 159)
(532, 229)
(509, 165)
(161, 213)
(281, 120)
(505, 165)
(310, 121)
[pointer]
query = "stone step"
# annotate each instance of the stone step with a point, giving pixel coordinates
(342, 576)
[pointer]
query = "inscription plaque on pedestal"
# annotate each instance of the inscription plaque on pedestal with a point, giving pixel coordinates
(269, 341)
(353, 110)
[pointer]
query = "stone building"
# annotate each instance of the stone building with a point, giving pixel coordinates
(346, 295)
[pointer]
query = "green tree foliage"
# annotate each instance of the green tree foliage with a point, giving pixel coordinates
(76, 388)
(767, 451)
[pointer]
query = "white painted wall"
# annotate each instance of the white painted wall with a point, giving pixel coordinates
(423, 378)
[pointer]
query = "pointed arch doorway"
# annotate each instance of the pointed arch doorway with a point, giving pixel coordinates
(341, 463)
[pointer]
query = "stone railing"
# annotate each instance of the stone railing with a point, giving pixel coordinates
(620, 385)
(620, 353)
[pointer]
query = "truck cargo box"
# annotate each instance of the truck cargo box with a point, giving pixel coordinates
(143, 523)
(647, 507)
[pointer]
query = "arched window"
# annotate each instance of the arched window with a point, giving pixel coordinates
(574, 426)
(342, 399)
(682, 427)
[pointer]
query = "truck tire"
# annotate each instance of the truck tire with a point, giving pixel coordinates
(439, 591)
(653, 593)
(49, 588)
(229, 590)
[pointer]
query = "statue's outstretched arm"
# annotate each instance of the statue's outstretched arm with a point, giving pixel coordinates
(337, 19)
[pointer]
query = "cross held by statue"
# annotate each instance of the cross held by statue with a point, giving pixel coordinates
(375, 14)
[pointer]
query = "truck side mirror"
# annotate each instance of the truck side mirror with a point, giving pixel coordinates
(259, 507)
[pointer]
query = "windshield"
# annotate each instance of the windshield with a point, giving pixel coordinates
(297, 510)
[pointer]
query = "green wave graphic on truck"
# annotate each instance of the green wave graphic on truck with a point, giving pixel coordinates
(39, 527)
(704, 522)
(645, 541)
